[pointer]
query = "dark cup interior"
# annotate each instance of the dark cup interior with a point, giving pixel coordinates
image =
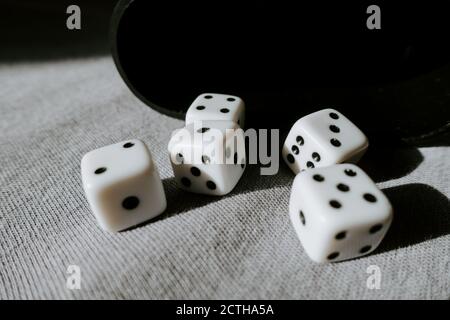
(287, 60)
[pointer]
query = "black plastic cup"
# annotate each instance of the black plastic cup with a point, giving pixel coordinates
(286, 61)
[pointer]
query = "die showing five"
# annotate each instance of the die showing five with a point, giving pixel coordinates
(338, 213)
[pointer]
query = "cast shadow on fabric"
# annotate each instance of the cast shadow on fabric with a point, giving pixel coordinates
(421, 213)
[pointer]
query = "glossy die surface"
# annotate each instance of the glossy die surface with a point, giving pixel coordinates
(338, 212)
(323, 138)
(214, 106)
(208, 157)
(122, 185)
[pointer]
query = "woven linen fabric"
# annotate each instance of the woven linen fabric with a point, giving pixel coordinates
(240, 246)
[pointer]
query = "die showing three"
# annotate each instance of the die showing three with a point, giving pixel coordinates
(323, 138)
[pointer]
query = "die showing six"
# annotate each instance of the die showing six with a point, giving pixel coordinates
(214, 162)
(211, 163)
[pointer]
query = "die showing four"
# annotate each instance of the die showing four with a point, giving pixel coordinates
(214, 106)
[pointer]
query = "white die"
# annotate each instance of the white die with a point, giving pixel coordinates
(214, 106)
(122, 185)
(338, 212)
(208, 157)
(323, 138)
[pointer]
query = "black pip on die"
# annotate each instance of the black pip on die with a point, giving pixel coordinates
(338, 212)
(122, 185)
(323, 138)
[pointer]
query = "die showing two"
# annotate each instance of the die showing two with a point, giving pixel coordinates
(337, 211)
(122, 183)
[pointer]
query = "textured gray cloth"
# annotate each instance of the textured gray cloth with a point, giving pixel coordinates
(238, 246)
